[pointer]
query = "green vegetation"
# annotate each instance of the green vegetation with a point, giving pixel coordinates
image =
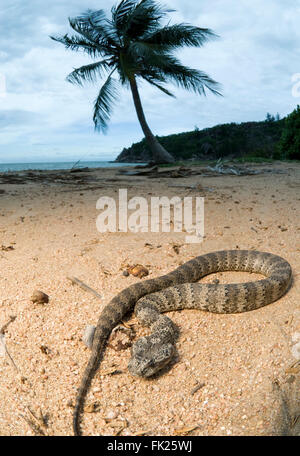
(251, 141)
(289, 145)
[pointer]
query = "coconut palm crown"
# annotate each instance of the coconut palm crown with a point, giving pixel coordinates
(132, 45)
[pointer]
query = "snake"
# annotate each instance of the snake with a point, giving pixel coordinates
(177, 290)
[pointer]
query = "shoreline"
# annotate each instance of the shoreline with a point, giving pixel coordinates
(55, 166)
(201, 164)
(117, 165)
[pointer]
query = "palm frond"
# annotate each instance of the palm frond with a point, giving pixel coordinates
(146, 56)
(193, 80)
(88, 73)
(103, 104)
(158, 86)
(121, 12)
(134, 18)
(94, 26)
(179, 35)
(188, 78)
(76, 43)
(138, 51)
(104, 27)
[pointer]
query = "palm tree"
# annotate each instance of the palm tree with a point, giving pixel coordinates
(133, 45)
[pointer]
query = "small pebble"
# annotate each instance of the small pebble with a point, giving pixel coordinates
(39, 297)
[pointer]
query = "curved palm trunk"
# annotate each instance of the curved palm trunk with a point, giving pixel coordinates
(159, 153)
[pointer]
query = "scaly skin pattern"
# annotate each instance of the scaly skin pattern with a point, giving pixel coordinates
(178, 290)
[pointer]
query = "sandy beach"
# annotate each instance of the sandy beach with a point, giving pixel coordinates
(233, 374)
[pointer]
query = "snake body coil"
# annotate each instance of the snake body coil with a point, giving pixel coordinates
(178, 290)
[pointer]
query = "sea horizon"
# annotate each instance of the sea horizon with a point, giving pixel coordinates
(64, 165)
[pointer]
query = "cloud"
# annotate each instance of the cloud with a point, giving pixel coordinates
(254, 60)
(17, 117)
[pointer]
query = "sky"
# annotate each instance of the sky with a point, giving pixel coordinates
(45, 118)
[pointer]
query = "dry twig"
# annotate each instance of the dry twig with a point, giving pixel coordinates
(85, 287)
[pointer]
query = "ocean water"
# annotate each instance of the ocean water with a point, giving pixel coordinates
(4, 167)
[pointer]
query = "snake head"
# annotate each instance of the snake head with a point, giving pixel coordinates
(147, 358)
